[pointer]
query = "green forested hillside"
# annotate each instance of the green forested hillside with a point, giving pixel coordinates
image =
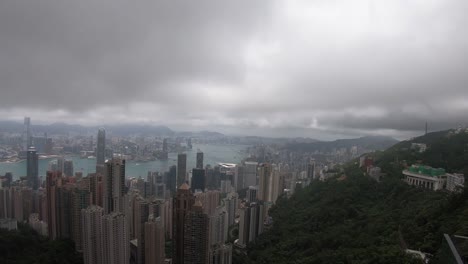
(358, 220)
(26, 246)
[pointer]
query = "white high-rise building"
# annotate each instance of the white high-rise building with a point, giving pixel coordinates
(218, 226)
(269, 184)
(230, 203)
(250, 223)
(455, 181)
(250, 173)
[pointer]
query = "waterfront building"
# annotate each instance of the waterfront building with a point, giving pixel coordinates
(165, 150)
(181, 168)
(27, 140)
(199, 160)
(32, 169)
(68, 167)
(101, 147)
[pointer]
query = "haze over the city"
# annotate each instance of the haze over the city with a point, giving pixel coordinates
(320, 69)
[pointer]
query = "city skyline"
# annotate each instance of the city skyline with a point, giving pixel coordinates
(272, 68)
(233, 132)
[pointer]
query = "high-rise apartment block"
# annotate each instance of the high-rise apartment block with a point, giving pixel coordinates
(115, 240)
(231, 203)
(269, 183)
(91, 219)
(251, 196)
(182, 205)
(250, 223)
(114, 185)
(53, 183)
(196, 236)
(141, 213)
(154, 240)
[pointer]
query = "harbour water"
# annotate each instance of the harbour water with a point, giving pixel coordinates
(213, 154)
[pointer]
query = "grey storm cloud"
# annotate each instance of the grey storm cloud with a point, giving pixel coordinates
(277, 68)
(80, 54)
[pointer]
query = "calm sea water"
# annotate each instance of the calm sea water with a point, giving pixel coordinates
(213, 154)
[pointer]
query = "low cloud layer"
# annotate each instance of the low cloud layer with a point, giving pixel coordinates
(322, 69)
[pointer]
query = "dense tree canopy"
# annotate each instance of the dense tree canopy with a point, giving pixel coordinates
(26, 246)
(359, 220)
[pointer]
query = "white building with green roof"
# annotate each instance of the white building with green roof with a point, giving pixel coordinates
(426, 177)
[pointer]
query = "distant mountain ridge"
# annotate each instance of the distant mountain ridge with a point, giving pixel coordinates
(367, 142)
(63, 129)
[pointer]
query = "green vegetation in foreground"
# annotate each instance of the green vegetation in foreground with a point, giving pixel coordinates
(26, 246)
(359, 220)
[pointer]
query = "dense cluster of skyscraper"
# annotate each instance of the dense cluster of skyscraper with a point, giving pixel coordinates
(171, 217)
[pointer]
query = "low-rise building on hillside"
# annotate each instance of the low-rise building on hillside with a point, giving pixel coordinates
(433, 178)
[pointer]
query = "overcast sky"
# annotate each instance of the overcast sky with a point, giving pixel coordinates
(318, 68)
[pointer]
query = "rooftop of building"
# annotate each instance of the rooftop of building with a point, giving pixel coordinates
(426, 170)
(184, 186)
(227, 165)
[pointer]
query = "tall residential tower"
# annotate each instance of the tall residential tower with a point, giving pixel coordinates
(114, 186)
